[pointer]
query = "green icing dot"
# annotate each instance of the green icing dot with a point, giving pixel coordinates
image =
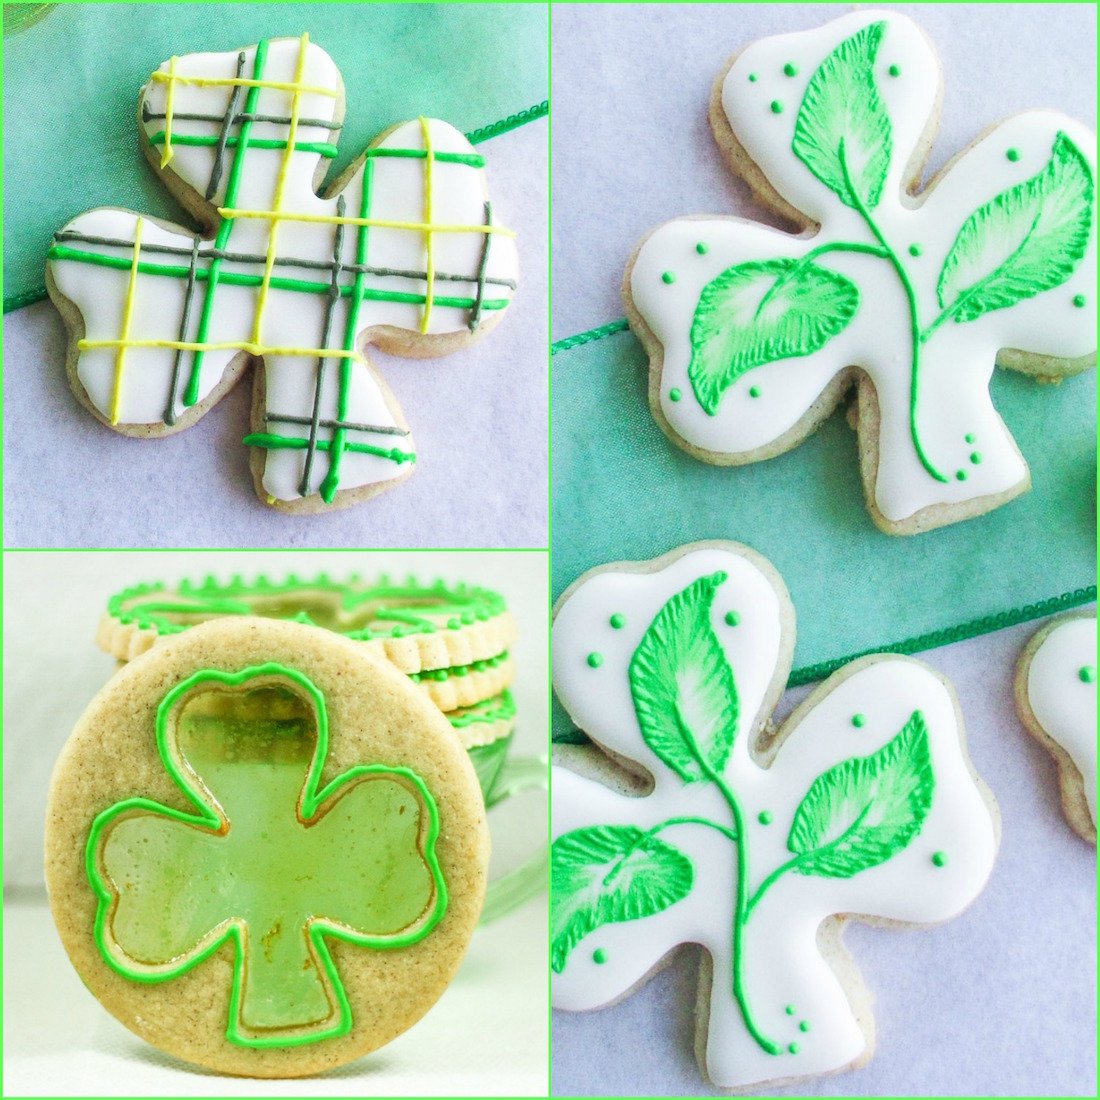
(969, 437)
(960, 475)
(975, 457)
(1013, 154)
(859, 721)
(894, 70)
(765, 817)
(674, 395)
(804, 1025)
(790, 69)
(793, 1048)
(617, 621)
(915, 250)
(777, 107)
(1079, 300)
(599, 956)
(668, 278)
(789, 1010)
(1087, 674)
(732, 618)
(939, 859)
(754, 391)
(595, 660)
(702, 248)
(752, 78)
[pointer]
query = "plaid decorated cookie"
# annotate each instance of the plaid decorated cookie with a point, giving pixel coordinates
(403, 251)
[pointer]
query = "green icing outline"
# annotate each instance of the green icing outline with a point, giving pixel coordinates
(311, 801)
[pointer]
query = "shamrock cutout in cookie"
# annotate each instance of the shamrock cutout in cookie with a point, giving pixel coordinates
(271, 861)
(402, 251)
(753, 843)
(754, 335)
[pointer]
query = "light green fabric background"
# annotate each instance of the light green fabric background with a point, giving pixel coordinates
(622, 491)
(71, 84)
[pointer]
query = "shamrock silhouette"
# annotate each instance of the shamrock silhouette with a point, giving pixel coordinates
(269, 862)
(752, 842)
(402, 251)
(754, 335)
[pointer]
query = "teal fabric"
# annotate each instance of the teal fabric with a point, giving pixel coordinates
(71, 84)
(622, 491)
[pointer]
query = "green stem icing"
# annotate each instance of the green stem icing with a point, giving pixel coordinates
(911, 298)
(805, 261)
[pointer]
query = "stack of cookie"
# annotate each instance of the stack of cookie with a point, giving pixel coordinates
(454, 640)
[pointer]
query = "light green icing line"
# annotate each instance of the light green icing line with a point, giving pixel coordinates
(497, 709)
(323, 148)
(210, 822)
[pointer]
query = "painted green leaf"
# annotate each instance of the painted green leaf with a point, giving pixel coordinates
(683, 688)
(755, 313)
(607, 874)
(842, 133)
(867, 809)
(1028, 239)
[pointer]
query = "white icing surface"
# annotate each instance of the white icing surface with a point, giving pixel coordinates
(956, 361)
(783, 965)
(1064, 705)
(291, 319)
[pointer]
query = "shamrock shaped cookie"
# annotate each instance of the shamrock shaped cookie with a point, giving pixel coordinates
(755, 335)
(1056, 700)
(402, 251)
(753, 842)
(266, 851)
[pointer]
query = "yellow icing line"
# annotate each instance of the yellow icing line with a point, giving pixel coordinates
(240, 345)
(244, 82)
(280, 187)
(429, 240)
(166, 153)
(127, 313)
(378, 223)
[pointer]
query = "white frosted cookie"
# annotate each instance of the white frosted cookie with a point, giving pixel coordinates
(757, 844)
(1056, 700)
(754, 335)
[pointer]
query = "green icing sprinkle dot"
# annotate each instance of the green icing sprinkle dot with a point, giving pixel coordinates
(790, 69)
(960, 475)
(752, 78)
(969, 437)
(732, 618)
(1079, 301)
(1087, 674)
(975, 457)
(793, 1048)
(859, 721)
(894, 70)
(702, 248)
(777, 107)
(915, 250)
(674, 395)
(1013, 155)
(804, 1026)
(789, 1010)
(754, 391)
(939, 859)
(765, 817)
(595, 660)
(599, 956)
(668, 278)
(617, 621)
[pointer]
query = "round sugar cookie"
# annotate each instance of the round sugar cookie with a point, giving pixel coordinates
(266, 851)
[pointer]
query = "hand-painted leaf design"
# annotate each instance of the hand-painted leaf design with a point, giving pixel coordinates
(842, 133)
(682, 685)
(757, 312)
(1028, 239)
(606, 874)
(867, 809)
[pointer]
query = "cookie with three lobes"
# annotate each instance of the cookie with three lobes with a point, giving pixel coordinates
(453, 639)
(265, 850)
(402, 251)
(753, 842)
(755, 335)
(1056, 700)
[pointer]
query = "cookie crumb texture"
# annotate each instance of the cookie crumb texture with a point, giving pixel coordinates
(266, 850)
(755, 335)
(405, 251)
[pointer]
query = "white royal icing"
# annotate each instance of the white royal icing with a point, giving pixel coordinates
(955, 416)
(1063, 703)
(783, 965)
(292, 320)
